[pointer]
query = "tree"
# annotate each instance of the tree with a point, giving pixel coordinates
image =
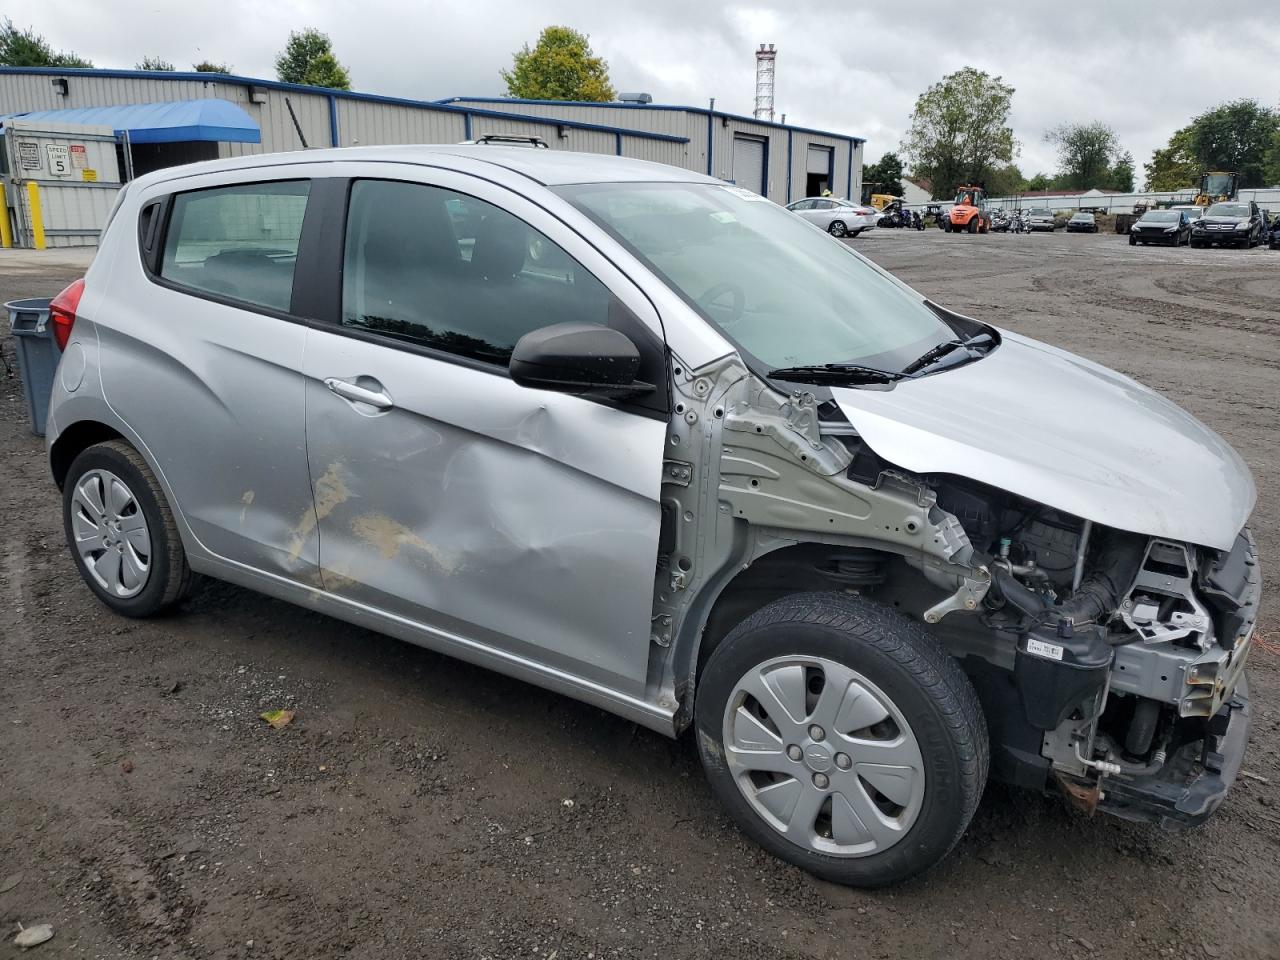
(26, 48)
(1005, 181)
(308, 58)
(1122, 173)
(1041, 181)
(1235, 136)
(208, 66)
(1271, 174)
(960, 130)
(561, 66)
(883, 176)
(1086, 154)
(1174, 166)
(153, 63)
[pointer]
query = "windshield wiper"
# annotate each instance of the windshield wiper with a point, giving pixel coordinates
(839, 372)
(935, 354)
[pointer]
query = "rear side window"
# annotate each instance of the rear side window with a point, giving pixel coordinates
(239, 242)
(444, 270)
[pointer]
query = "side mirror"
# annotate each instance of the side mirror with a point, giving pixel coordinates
(577, 358)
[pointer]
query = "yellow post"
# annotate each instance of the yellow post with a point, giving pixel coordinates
(6, 234)
(37, 217)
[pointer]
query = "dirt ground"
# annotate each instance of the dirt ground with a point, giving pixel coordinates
(420, 807)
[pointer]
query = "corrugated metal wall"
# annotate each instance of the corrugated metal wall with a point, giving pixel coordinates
(693, 155)
(361, 123)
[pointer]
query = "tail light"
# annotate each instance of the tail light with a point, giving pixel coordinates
(62, 312)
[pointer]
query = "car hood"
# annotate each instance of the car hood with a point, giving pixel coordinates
(1233, 221)
(1063, 431)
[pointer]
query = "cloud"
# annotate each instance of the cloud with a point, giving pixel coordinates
(1143, 66)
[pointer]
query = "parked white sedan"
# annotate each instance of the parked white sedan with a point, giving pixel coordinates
(840, 218)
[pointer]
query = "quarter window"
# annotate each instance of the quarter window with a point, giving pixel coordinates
(239, 242)
(444, 270)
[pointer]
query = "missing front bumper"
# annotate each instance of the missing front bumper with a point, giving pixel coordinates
(1195, 780)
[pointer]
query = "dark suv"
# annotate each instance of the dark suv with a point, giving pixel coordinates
(1236, 222)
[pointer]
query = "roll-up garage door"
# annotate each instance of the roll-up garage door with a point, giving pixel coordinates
(748, 163)
(819, 160)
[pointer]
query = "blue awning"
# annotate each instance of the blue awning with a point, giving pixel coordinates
(171, 122)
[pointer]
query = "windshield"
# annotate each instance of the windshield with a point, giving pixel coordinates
(1217, 183)
(970, 197)
(1229, 210)
(1082, 216)
(786, 293)
(1040, 213)
(1161, 216)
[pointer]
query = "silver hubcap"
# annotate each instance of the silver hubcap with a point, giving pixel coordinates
(111, 533)
(824, 756)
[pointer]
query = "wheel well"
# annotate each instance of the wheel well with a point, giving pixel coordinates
(798, 569)
(73, 441)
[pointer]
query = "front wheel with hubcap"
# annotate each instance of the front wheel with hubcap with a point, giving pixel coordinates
(121, 531)
(842, 738)
(837, 228)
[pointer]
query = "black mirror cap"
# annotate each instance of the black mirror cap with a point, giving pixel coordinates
(577, 358)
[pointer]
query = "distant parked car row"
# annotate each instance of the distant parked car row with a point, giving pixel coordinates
(1235, 223)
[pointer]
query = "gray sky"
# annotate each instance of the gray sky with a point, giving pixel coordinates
(1143, 66)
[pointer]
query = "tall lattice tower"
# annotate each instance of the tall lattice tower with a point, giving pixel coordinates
(765, 57)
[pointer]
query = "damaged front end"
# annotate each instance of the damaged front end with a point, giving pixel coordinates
(1109, 663)
(1120, 656)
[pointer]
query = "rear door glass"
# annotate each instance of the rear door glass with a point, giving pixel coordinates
(239, 242)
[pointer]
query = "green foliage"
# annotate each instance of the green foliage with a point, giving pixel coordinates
(1271, 170)
(1235, 136)
(1173, 166)
(1087, 153)
(153, 63)
(960, 130)
(1239, 137)
(1005, 181)
(1122, 173)
(26, 48)
(208, 66)
(561, 66)
(1040, 181)
(883, 176)
(308, 58)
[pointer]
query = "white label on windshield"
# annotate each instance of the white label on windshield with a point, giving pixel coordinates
(1042, 649)
(745, 194)
(724, 216)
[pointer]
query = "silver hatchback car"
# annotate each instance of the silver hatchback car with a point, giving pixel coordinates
(648, 440)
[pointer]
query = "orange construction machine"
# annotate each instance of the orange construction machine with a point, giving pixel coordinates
(969, 212)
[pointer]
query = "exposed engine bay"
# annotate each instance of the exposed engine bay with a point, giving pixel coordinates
(1109, 664)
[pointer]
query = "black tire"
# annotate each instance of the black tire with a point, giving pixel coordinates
(912, 669)
(1133, 241)
(973, 225)
(837, 228)
(946, 226)
(169, 577)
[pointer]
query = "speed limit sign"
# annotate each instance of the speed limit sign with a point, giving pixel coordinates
(59, 159)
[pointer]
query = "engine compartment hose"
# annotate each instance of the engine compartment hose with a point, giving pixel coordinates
(1142, 729)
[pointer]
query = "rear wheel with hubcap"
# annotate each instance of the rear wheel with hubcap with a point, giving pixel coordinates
(837, 228)
(842, 738)
(121, 531)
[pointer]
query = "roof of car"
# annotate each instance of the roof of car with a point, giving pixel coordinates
(545, 166)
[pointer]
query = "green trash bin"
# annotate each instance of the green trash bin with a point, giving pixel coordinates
(38, 355)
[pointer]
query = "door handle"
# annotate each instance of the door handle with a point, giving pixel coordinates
(358, 394)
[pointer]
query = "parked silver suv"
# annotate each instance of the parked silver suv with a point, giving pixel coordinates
(649, 440)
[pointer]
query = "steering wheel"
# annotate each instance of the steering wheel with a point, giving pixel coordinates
(736, 309)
